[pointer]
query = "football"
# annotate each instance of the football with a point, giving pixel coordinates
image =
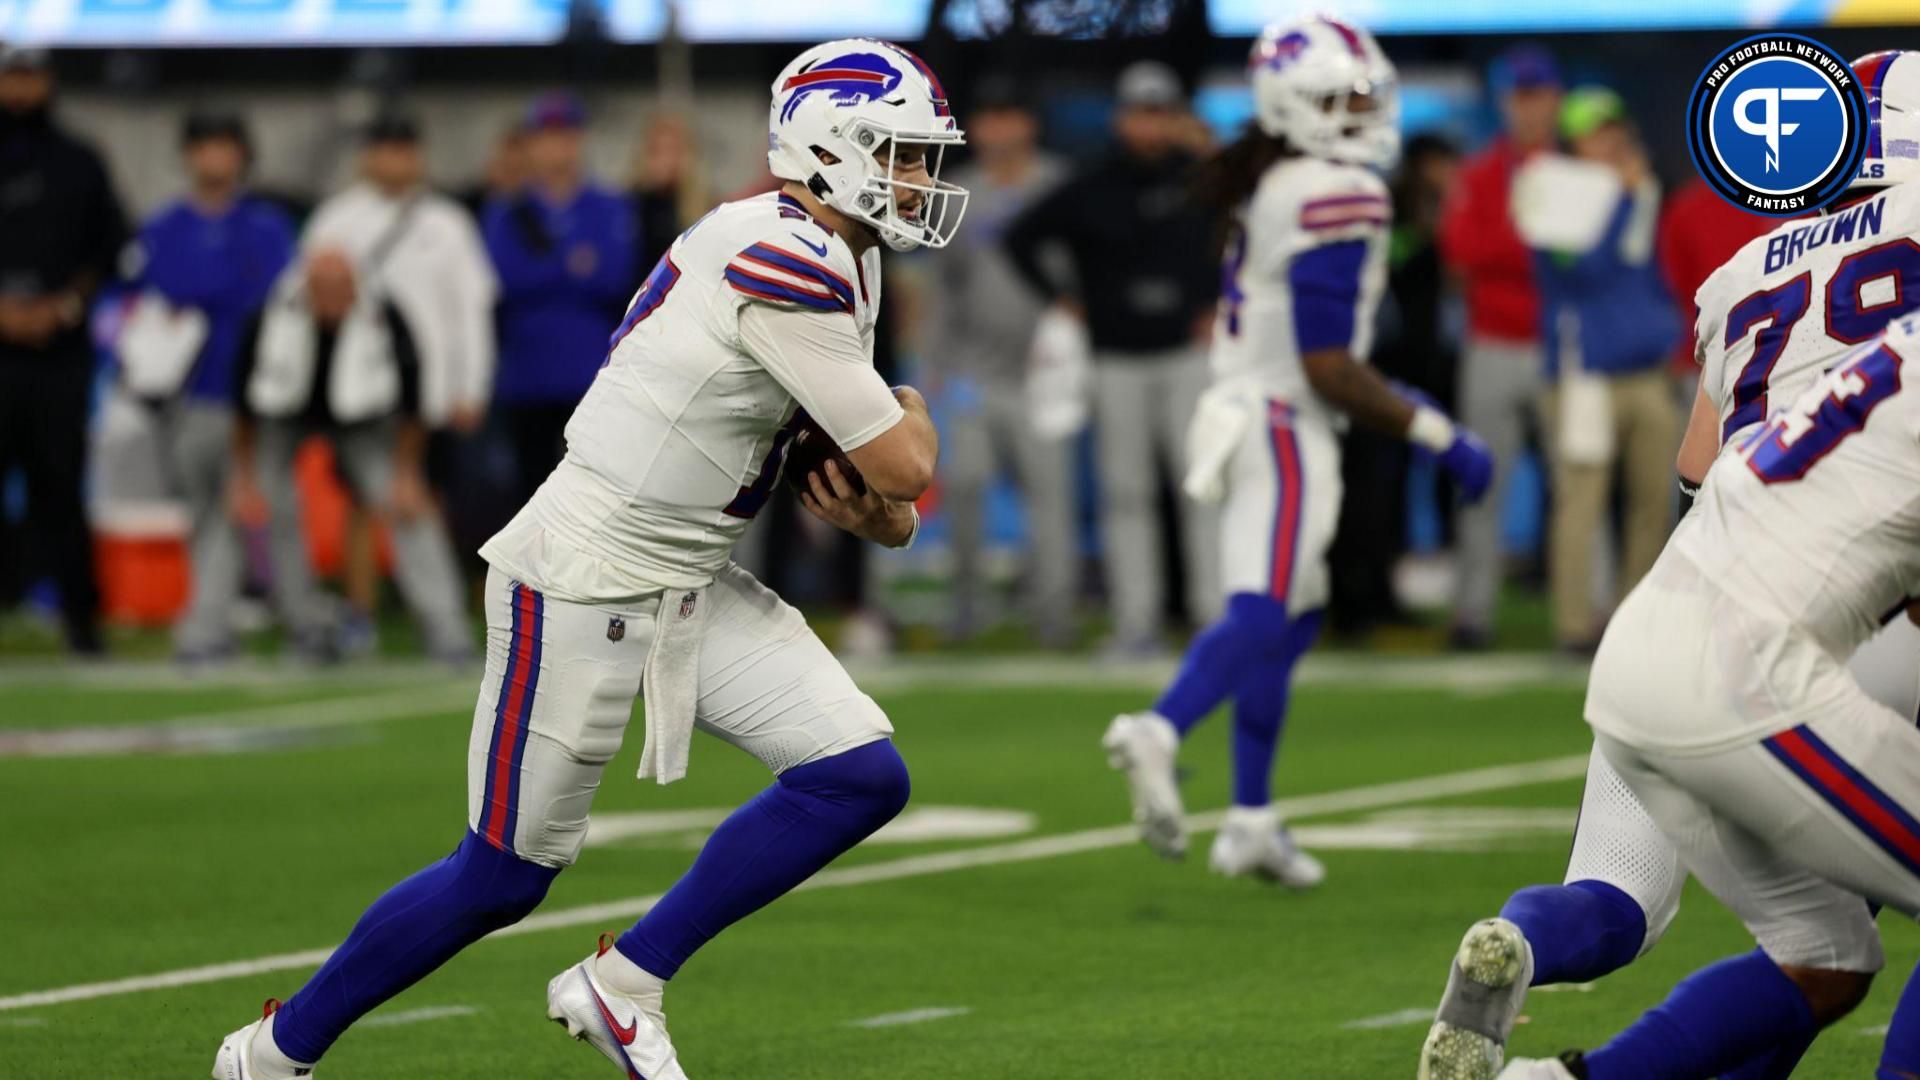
(808, 452)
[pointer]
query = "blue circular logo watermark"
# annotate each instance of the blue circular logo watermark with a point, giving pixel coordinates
(1777, 124)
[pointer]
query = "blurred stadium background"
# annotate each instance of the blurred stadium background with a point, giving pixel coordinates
(1016, 930)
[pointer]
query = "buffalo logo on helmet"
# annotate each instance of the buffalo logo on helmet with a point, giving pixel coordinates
(1277, 54)
(849, 80)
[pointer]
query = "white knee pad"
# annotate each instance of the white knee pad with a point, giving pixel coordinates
(1617, 843)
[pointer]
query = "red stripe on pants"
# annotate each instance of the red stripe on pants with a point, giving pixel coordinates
(1840, 787)
(510, 732)
(1286, 529)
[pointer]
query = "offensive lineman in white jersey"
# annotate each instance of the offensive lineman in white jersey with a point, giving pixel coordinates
(614, 581)
(1773, 319)
(1720, 695)
(1303, 271)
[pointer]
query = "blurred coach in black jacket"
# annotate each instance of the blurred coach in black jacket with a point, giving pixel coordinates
(60, 232)
(1144, 280)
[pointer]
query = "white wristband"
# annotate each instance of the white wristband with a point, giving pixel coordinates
(1430, 429)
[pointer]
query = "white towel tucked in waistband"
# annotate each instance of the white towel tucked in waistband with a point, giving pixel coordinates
(670, 685)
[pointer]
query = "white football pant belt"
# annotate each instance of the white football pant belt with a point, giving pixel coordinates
(670, 683)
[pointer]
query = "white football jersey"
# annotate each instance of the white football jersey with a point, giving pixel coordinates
(677, 444)
(1301, 206)
(1791, 303)
(1813, 518)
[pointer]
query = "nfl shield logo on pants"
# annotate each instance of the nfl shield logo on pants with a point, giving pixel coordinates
(616, 628)
(686, 604)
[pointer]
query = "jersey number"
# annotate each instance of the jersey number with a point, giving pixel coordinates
(1850, 319)
(1231, 295)
(652, 294)
(754, 496)
(1795, 441)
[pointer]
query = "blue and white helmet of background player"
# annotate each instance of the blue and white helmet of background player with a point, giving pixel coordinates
(1326, 87)
(1892, 82)
(855, 98)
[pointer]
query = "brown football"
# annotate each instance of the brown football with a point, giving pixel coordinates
(808, 452)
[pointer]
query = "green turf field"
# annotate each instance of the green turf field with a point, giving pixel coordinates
(211, 824)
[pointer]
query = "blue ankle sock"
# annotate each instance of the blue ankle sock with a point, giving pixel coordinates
(1579, 931)
(810, 815)
(416, 927)
(1214, 664)
(1900, 1056)
(1260, 710)
(1716, 1019)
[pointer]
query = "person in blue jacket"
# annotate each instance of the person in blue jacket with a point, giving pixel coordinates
(198, 274)
(564, 248)
(1608, 324)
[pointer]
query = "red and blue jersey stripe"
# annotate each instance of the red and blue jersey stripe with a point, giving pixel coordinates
(772, 273)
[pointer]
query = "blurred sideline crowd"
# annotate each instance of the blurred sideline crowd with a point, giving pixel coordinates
(378, 382)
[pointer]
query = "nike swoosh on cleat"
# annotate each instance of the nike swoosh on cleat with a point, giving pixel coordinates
(624, 1034)
(817, 249)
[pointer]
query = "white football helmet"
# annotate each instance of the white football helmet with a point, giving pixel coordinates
(855, 98)
(1327, 88)
(1892, 82)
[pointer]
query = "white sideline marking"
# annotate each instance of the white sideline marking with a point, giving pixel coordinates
(1472, 781)
(263, 727)
(1397, 1018)
(24, 1021)
(911, 1016)
(1565, 988)
(417, 1016)
(1876, 1030)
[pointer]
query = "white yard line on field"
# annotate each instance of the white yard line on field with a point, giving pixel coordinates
(417, 1016)
(1467, 673)
(246, 673)
(255, 728)
(910, 1016)
(1452, 672)
(1397, 1018)
(1372, 796)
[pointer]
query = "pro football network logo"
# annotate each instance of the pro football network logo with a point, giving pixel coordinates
(1777, 124)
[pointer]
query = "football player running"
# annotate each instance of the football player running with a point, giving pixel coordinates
(1773, 319)
(1302, 274)
(614, 581)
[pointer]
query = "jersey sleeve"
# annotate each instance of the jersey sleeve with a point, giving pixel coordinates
(790, 270)
(825, 365)
(1324, 238)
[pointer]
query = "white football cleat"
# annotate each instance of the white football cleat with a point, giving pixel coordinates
(1253, 842)
(1485, 990)
(631, 1032)
(1537, 1069)
(237, 1061)
(1144, 745)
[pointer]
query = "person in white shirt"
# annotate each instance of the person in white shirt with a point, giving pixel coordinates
(615, 581)
(424, 251)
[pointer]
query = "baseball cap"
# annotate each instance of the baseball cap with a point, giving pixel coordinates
(1524, 67)
(203, 124)
(393, 125)
(558, 109)
(1589, 108)
(22, 58)
(997, 90)
(1149, 84)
